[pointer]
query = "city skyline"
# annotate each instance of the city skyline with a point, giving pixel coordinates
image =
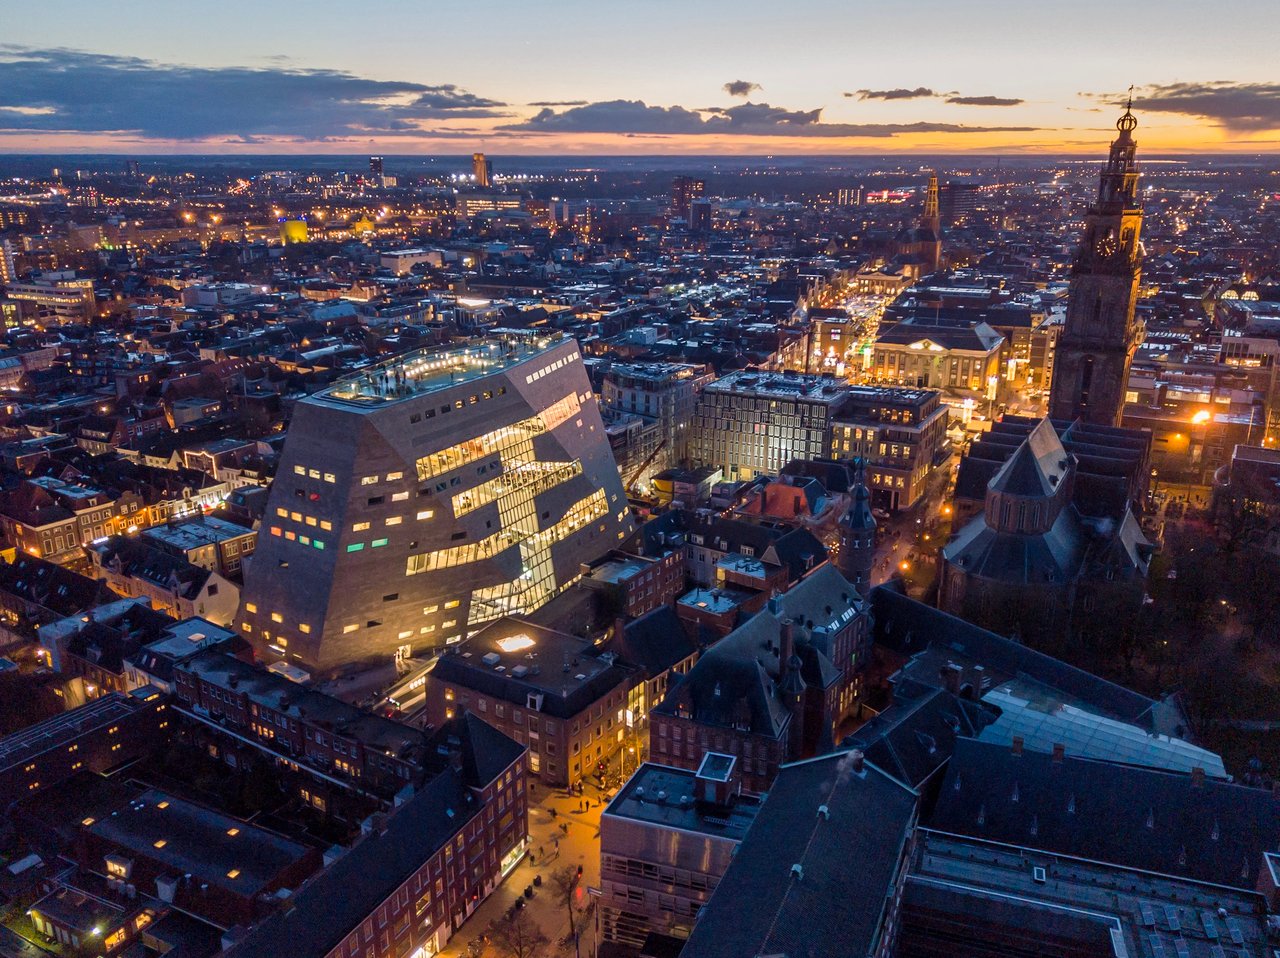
(573, 79)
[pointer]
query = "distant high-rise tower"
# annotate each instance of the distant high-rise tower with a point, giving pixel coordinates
(482, 169)
(700, 216)
(931, 227)
(375, 167)
(684, 190)
(1101, 334)
(858, 536)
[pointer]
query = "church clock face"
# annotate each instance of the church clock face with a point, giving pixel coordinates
(1106, 246)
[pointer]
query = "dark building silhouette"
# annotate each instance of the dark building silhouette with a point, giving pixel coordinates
(1101, 332)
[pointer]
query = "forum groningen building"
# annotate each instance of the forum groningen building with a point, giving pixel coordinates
(421, 498)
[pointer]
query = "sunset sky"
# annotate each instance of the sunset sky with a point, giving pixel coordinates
(648, 76)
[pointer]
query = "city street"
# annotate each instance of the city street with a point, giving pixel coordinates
(561, 834)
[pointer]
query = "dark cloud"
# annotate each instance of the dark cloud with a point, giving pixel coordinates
(984, 100)
(1239, 107)
(747, 119)
(741, 87)
(558, 103)
(74, 91)
(919, 93)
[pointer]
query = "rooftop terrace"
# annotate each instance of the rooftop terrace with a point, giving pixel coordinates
(432, 369)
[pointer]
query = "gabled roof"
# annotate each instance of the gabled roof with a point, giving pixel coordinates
(816, 869)
(325, 910)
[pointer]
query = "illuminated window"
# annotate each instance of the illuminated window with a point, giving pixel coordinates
(326, 525)
(394, 476)
(369, 481)
(159, 843)
(250, 607)
(347, 629)
(234, 873)
(275, 530)
(245, 627)
(311, 520)
(425, 514)
(317, 544)
(277, 617)
(394, 520)
(87, 822)
(452, 604)
(299, 470)
(313, 473)
(163, 805)
(330, 477)
(355, 547)
(359, 526)
(296, 516)
(233, 832)
(304, 628)
(400, 497)
(378, 543)
(282, 513)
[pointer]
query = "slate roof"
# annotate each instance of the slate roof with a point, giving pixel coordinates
(849, 860)
(932, 637)
(1151, 820)
(654, 642)
(1054, 556)
(1037, 466)
(913, 738)
(324, 910)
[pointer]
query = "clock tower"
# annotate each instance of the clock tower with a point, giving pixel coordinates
(1095, 351)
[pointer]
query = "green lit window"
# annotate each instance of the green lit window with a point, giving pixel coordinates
(317, 543)
(378, 543)
(355, 547)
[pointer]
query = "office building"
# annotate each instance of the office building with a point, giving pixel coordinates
(750, 423)
(481, 170)
(422, 498)
(56, 300)
(700, 216)
(375, 168)
(821, 870)
(663, 394)
(666, 839)
(1102, 330)
(684, 190)
(552, 692)
(900, 434)
(966, 895)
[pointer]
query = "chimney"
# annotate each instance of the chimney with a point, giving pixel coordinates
(619, 626)
(786, 647)
(1059, 752)
(1197, 778)
(952, 678)
(1017, 745)
(857, 761)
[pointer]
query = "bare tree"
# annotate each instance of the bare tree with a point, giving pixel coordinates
(564, 885)
(518, 935)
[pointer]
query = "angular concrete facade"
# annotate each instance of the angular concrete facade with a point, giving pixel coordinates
(422, 498)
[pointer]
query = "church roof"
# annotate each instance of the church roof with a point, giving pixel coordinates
(1037, 467)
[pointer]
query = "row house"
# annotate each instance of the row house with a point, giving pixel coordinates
(407, 888)
(171, 583)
